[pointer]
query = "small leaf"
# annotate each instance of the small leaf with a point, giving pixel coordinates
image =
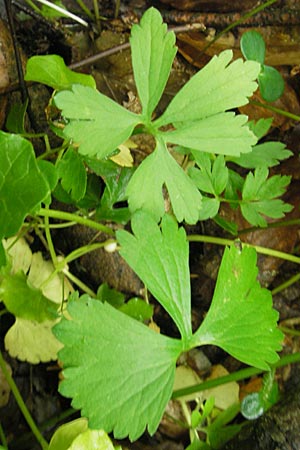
(116, 369)
(111, 296)
(271, 84)
(144, 190)
(22, 184)
(268, 154)
(71, 170)
(138, 309)
(153, 51)
(253, 46)
(92, 440)
(16, 117)
(66, 433)
(241, 320)
(216, 88)
(52, 71)
(223, 133)
(97, 124)
(211, 178)
(259, 197)
(160, 259)
(261, 127)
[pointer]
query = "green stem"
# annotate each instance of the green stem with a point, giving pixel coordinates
(63, 215)
(85, 9)
(79, 283)
(49, 240)
(239, 21)
(259, 249)
(282, 112)
(286, 284)
(3, 438)
(236, 376)
(23, 408)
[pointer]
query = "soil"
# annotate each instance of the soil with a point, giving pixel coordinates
(280, 26)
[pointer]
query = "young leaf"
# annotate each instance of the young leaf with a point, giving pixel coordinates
(22, 184)
(211, 178)
(153, 51)
(223, 133)
(71, 170)
(259, 197)
(117, 370)
(95, 122)
(217, 87)
(261, 127)
(241, 319)
(144, 190)
(271, 84)
(253, 46)
(160, 259)
(268, 154)
(52, 71)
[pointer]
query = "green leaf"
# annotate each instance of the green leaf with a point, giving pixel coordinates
(16, 118)
(209, 208)
(116, 369)
(223, 133)
(52, 71)
(268, 154)
(95, 123)
(66, 433)
(261, 127)
(153, 51)
(138, 309)
(259, 197)
(111, 296)
(22, 184)
(92, 440)
(145, 189)
(71, 171)
(160, 259)
(253, 46)
(271, 84)
(211, 178)
(217, 87)
(241, 319)
(25, 301)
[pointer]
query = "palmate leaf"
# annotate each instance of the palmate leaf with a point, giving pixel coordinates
(145, 188)
(97, 124)
(160, 259)
(268, 154)
(241, 319)
(153, 51)
(223, 133)
(118, 371)
(217, 87)
(22, 184)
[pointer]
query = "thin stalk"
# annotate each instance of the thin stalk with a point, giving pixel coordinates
(282, 112)
(65, 12)
(236, 376)
(63, 215)
(79, 283)
(286, 284)
(85, 9)
(49, 241)
(23, 408)
(3, 438)
(239, 21)
(259, 249)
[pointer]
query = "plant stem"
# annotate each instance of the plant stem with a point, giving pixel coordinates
(3, 438)
(259, 249)
(49, 240)
(23, 408)
(282, 112)
(236, 376)
(63, 215)
(286, 284)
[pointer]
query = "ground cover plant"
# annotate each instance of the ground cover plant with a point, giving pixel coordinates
(117, 371)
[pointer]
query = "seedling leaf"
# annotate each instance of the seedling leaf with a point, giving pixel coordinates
(223, 133)
(71, 170)
(22, 184)
(52, 71)
(97, 124)
(217, 87)
(153, 51)
(116, 369)
(253, 46)
(271, 84)
(259, 197)
(160, 259)
(144, 190)
(241, 319)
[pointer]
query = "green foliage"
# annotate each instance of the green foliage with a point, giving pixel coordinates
(270, 81)
(268, 154)
(71, 171)
(126, 401)
(22, 185)
(52, 71)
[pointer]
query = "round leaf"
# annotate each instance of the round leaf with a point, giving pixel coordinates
(271, 84)
(253, 46)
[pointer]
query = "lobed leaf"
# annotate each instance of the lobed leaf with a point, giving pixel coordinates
(71, 170)
(160, 259)
(145, 188)
(268, 154)
(217, 87)
(117, 370)
(153, 51)
(241, 320)
(97, 124)
(223, 133)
